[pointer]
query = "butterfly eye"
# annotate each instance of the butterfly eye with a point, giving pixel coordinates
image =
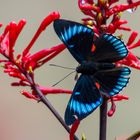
(93, 48)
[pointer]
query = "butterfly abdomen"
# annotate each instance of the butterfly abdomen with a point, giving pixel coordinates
(89, 68)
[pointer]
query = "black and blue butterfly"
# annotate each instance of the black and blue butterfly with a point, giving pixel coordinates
(96, 58)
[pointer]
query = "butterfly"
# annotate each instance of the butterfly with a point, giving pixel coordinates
(96, 58)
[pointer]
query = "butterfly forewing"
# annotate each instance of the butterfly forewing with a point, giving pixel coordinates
(77, 38)
(108, 48)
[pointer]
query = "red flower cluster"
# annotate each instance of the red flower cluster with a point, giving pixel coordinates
(25, 63)
(99, 13)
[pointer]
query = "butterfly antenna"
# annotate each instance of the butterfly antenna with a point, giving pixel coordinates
(61, 67)
(63, 78)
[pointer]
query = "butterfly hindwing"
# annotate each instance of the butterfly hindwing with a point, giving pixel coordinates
(77, 38)
(108, 48)
(84, 100)
(112, 81)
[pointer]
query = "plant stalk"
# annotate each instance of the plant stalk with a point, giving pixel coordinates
(103, 120)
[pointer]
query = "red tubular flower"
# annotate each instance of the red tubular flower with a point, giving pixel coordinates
(48, 20)
(28, 95)
(124, 28)
(120, 97)
(112, 109)
(20, 26)
(131, 60)
(122, 7)
(73, 129)
(45, 90)
(4, 49)
(85, 5)
(132, 38)
(88, 7)
(116, 25)
(9, 36)
(117, 97)
(20, 83)
(137, 44)
(12, 38)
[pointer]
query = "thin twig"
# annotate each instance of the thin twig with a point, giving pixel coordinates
(48, 104)
(134, 136)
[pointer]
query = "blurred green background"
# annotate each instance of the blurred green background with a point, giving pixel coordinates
(24, 119)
